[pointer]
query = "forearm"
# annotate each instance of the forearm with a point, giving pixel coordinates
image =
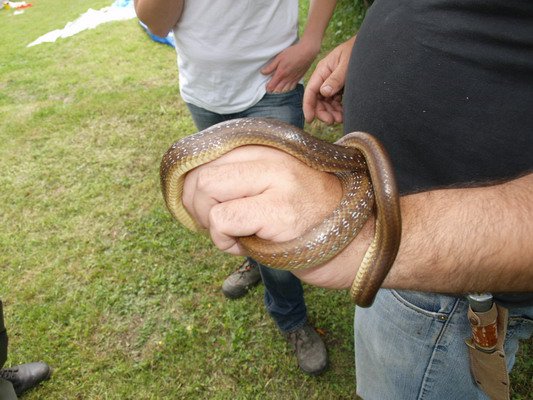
(453, 241)
(159, 15)
(465, 240)
(320, 12)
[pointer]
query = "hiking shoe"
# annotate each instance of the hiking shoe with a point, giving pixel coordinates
(239, 282)
(26, 376)
(310, 350)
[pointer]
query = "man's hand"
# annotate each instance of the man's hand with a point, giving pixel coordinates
(261, 191)
(288, 67)
(323, 98)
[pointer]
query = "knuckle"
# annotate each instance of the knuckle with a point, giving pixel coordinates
(219, 217)
(205, 178)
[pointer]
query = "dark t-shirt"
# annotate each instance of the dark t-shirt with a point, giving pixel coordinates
(447, 86)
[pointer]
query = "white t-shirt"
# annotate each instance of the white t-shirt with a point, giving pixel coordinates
(222, 46)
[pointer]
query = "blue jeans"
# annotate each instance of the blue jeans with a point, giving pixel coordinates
(410, 345)
(283, 106)
(284, 298)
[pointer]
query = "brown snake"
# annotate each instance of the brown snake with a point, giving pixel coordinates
(359, 162)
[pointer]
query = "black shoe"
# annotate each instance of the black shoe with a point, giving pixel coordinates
(310, 350)
(26, 376)
(239, 282)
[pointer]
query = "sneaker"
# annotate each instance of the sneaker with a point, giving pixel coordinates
(26, 376)
(239, 282)
(310, 350)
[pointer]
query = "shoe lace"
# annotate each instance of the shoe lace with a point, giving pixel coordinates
(9, 374)
(299, 338)
(244, 267)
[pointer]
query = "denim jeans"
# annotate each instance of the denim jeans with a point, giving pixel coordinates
(410, 345)
(284, 298)
(283, 106)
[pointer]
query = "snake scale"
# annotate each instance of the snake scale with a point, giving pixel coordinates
(359, 162)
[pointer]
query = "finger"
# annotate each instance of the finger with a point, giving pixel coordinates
(277, 77)
(219, 184)
(311, 96)
(236, 250)
(336, 109)
(242, 172)
(264, 215)
(338, 115)
(231, 181)
(288, 87)
(334, 83)
(325, 117)
(234, 219)
(329, 116)
(333, 105)
(323, 111)
(270, 67)
(187, 196)
(276, 84)
(329, 110)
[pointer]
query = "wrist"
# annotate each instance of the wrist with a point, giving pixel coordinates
(310, 46)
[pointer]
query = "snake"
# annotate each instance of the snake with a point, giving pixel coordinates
(358, 160)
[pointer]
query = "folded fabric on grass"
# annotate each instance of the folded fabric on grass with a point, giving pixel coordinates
(118, 11)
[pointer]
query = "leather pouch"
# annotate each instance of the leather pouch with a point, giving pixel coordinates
(489, 368)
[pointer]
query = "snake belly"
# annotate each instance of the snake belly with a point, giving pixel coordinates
(358, 161)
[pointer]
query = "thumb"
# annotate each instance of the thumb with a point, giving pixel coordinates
(333, 84)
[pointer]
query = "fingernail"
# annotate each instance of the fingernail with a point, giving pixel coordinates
(326, 90)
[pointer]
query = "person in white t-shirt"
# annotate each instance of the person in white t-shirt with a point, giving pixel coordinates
(243, 58)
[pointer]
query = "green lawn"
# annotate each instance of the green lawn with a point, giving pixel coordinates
(96, 278)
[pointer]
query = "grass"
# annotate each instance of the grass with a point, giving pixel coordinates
(96, 278)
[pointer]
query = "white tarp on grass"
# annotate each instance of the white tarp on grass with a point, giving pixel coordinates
(118, 11)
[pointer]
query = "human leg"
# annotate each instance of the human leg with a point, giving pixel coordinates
(285, 303)
(284, 298)
(283, 293)
(410, 345)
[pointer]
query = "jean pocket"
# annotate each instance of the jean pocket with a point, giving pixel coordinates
(429, 304)
(297, 93)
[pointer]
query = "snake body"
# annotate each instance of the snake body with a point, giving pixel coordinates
(359, 162)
